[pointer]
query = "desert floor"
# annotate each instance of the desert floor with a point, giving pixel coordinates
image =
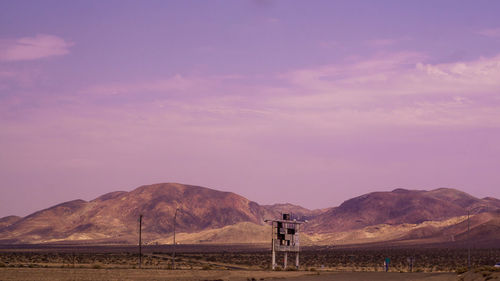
(228, 263)
(80, 274)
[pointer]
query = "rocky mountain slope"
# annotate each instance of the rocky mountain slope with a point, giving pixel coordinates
(297, 212)
(6, 221)
(115, 215)
(211, 216)
(399, 206)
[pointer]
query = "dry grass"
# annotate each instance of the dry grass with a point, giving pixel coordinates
(426, 260)
(481, 273)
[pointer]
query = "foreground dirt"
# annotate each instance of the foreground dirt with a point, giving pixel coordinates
(378, 276)
(46, 274)
(78, 274)
(480, 275)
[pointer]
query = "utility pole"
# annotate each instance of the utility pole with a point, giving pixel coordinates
(468, 239)
(140, 241)
(273, 251)
(173, 255)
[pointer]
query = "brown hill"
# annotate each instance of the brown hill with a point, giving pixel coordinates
(398, 207)
(243, 232)
(211, 216)
(6, 221)
(297, 212)
(114, 215)
(483, 227)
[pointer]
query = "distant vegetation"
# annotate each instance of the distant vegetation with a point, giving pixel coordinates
(425, 260)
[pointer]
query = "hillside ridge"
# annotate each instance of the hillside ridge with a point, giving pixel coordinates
(113, 216)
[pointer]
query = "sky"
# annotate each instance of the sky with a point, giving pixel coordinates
(306, 102)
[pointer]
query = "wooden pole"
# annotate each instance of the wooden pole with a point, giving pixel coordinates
(468, 239)
(298, 246)
(173, 255)
(140, 241)
(273, 252)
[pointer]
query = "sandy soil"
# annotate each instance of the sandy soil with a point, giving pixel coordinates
(480, 275)
(378, 276)
(45, 274)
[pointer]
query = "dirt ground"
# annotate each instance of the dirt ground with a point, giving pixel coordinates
(79, 274)
(228, 263)
(379, 276)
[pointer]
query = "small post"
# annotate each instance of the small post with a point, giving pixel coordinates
(410, 264)
(140, 241)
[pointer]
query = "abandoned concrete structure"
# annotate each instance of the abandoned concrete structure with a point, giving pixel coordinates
(285, 238)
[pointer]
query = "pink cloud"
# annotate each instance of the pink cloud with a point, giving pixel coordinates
(491, 32)
(383, 42)
(396, 90)
(397, 75)
(386, 91)
(272, 20)
(391, 91)
(329, 44)
(32, 48)
(177, 83)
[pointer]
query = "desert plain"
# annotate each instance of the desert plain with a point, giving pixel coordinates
(241, 262)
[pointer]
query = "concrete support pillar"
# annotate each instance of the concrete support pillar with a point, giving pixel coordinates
(285, 259)
(297, 260)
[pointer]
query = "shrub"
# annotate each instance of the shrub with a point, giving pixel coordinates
(461, 270)
(96, 266)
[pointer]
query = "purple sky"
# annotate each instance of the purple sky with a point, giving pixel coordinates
(309, 102)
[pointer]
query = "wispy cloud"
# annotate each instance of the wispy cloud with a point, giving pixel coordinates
(384, 91)
(272, 20)
(398, 74)
(179, 84)
(490, 32)
(174, 83)
(394, 90)
(329, 44)
(383, 42)
(32, 48)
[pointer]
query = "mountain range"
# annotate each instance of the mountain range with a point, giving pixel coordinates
(210, 216)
